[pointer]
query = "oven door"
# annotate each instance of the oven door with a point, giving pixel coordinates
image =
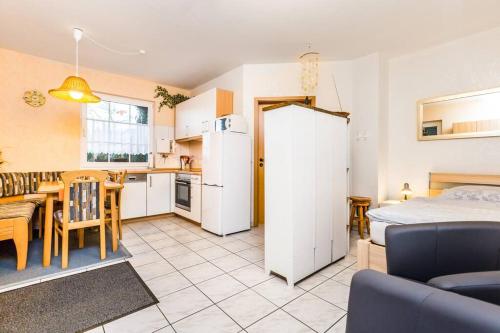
(183, 195)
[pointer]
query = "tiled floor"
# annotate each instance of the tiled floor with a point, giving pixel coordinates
(211, 284)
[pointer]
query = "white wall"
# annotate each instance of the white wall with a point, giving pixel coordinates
(277, 80)
(468, 64)
(364, 129)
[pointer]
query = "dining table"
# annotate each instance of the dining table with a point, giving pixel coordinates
(53, 190)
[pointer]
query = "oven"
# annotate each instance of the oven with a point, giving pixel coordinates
(183, 191)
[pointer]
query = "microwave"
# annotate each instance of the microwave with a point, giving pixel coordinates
(232, 123)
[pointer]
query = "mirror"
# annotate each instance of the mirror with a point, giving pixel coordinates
(470, 115)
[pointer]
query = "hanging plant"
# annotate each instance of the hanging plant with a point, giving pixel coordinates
(168, 100)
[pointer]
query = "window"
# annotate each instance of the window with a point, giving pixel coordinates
(116, 132)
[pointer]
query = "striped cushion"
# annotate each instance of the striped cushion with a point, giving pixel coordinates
(20, 183)
(13, 183)
(17, 209)
(84, 201)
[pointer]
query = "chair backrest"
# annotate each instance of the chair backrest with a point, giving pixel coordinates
(427, 250)
(117, 176)
(84, 195)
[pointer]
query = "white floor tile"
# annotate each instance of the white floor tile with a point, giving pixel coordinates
(139, 248)
(278, 322)
(312, 281)
(144, 321)
(314, 312)
(277, 291)
(163, 243)
(339, 327)
(201, 272)
(154, 237)
(230, 262)
(208, 320)
(173, 251)
(236, 246)
(345, 276)
(129, 241)
(247, 307)
(250, 275)
(213, 252)
(183, 303)
(254, 240)
(153, 270)
(332, 270)
(252, 254)
(167, 284)
(187, 238)
(221, 287)
(145, 258)
(199, 244)
(167, 329)
(185, 260)
(349, 260)
(333, 292)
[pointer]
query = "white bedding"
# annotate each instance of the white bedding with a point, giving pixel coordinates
(425, 210)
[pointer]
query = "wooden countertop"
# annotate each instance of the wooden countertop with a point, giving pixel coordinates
(194, 171)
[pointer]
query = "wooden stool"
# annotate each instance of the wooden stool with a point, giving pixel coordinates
(359, 207)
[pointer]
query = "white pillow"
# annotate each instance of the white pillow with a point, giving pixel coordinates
(472, 193)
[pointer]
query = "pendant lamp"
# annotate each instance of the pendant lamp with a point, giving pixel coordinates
(75, 88)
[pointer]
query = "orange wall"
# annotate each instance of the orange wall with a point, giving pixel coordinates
(48, 137)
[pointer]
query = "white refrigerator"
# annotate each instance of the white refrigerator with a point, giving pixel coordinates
(226, 183)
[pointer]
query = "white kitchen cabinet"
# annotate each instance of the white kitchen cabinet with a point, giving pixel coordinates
(306, 190)
(192, 113)
(195, 199)
(158, 193)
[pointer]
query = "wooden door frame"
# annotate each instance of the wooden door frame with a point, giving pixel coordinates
(257, 102)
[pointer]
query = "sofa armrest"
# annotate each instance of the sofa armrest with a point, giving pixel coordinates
(480, 285)
(380, 303)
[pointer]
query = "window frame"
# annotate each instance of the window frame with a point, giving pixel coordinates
(84, 164)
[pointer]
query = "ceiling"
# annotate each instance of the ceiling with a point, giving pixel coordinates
(191, 41)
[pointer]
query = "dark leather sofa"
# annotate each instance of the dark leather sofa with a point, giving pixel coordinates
(443, 277)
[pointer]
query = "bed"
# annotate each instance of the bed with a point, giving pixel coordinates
(452, 197)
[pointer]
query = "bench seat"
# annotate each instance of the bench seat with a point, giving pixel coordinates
(15, 218)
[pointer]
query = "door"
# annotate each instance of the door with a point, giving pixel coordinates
(211, 208)
(158, 194)
(212, 153)
(259, 162)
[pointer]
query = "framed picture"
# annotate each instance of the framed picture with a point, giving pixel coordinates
(432, 127)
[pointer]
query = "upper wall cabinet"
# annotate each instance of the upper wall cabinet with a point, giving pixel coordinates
(191, 115)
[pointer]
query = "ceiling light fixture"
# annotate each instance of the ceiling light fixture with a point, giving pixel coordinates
(310, 71)
(75, 88)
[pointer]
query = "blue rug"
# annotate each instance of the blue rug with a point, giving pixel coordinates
(79, 259)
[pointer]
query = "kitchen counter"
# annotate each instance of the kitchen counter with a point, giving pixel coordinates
(194, 171)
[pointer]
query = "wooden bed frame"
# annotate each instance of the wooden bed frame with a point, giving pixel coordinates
(372, 256)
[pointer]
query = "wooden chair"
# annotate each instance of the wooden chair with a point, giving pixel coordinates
(117, 177)
(83, 207)
(359, 207)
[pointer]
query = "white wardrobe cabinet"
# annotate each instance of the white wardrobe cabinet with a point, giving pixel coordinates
(305, 190)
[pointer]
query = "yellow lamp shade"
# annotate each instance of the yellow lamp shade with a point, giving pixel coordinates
(75, 89)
